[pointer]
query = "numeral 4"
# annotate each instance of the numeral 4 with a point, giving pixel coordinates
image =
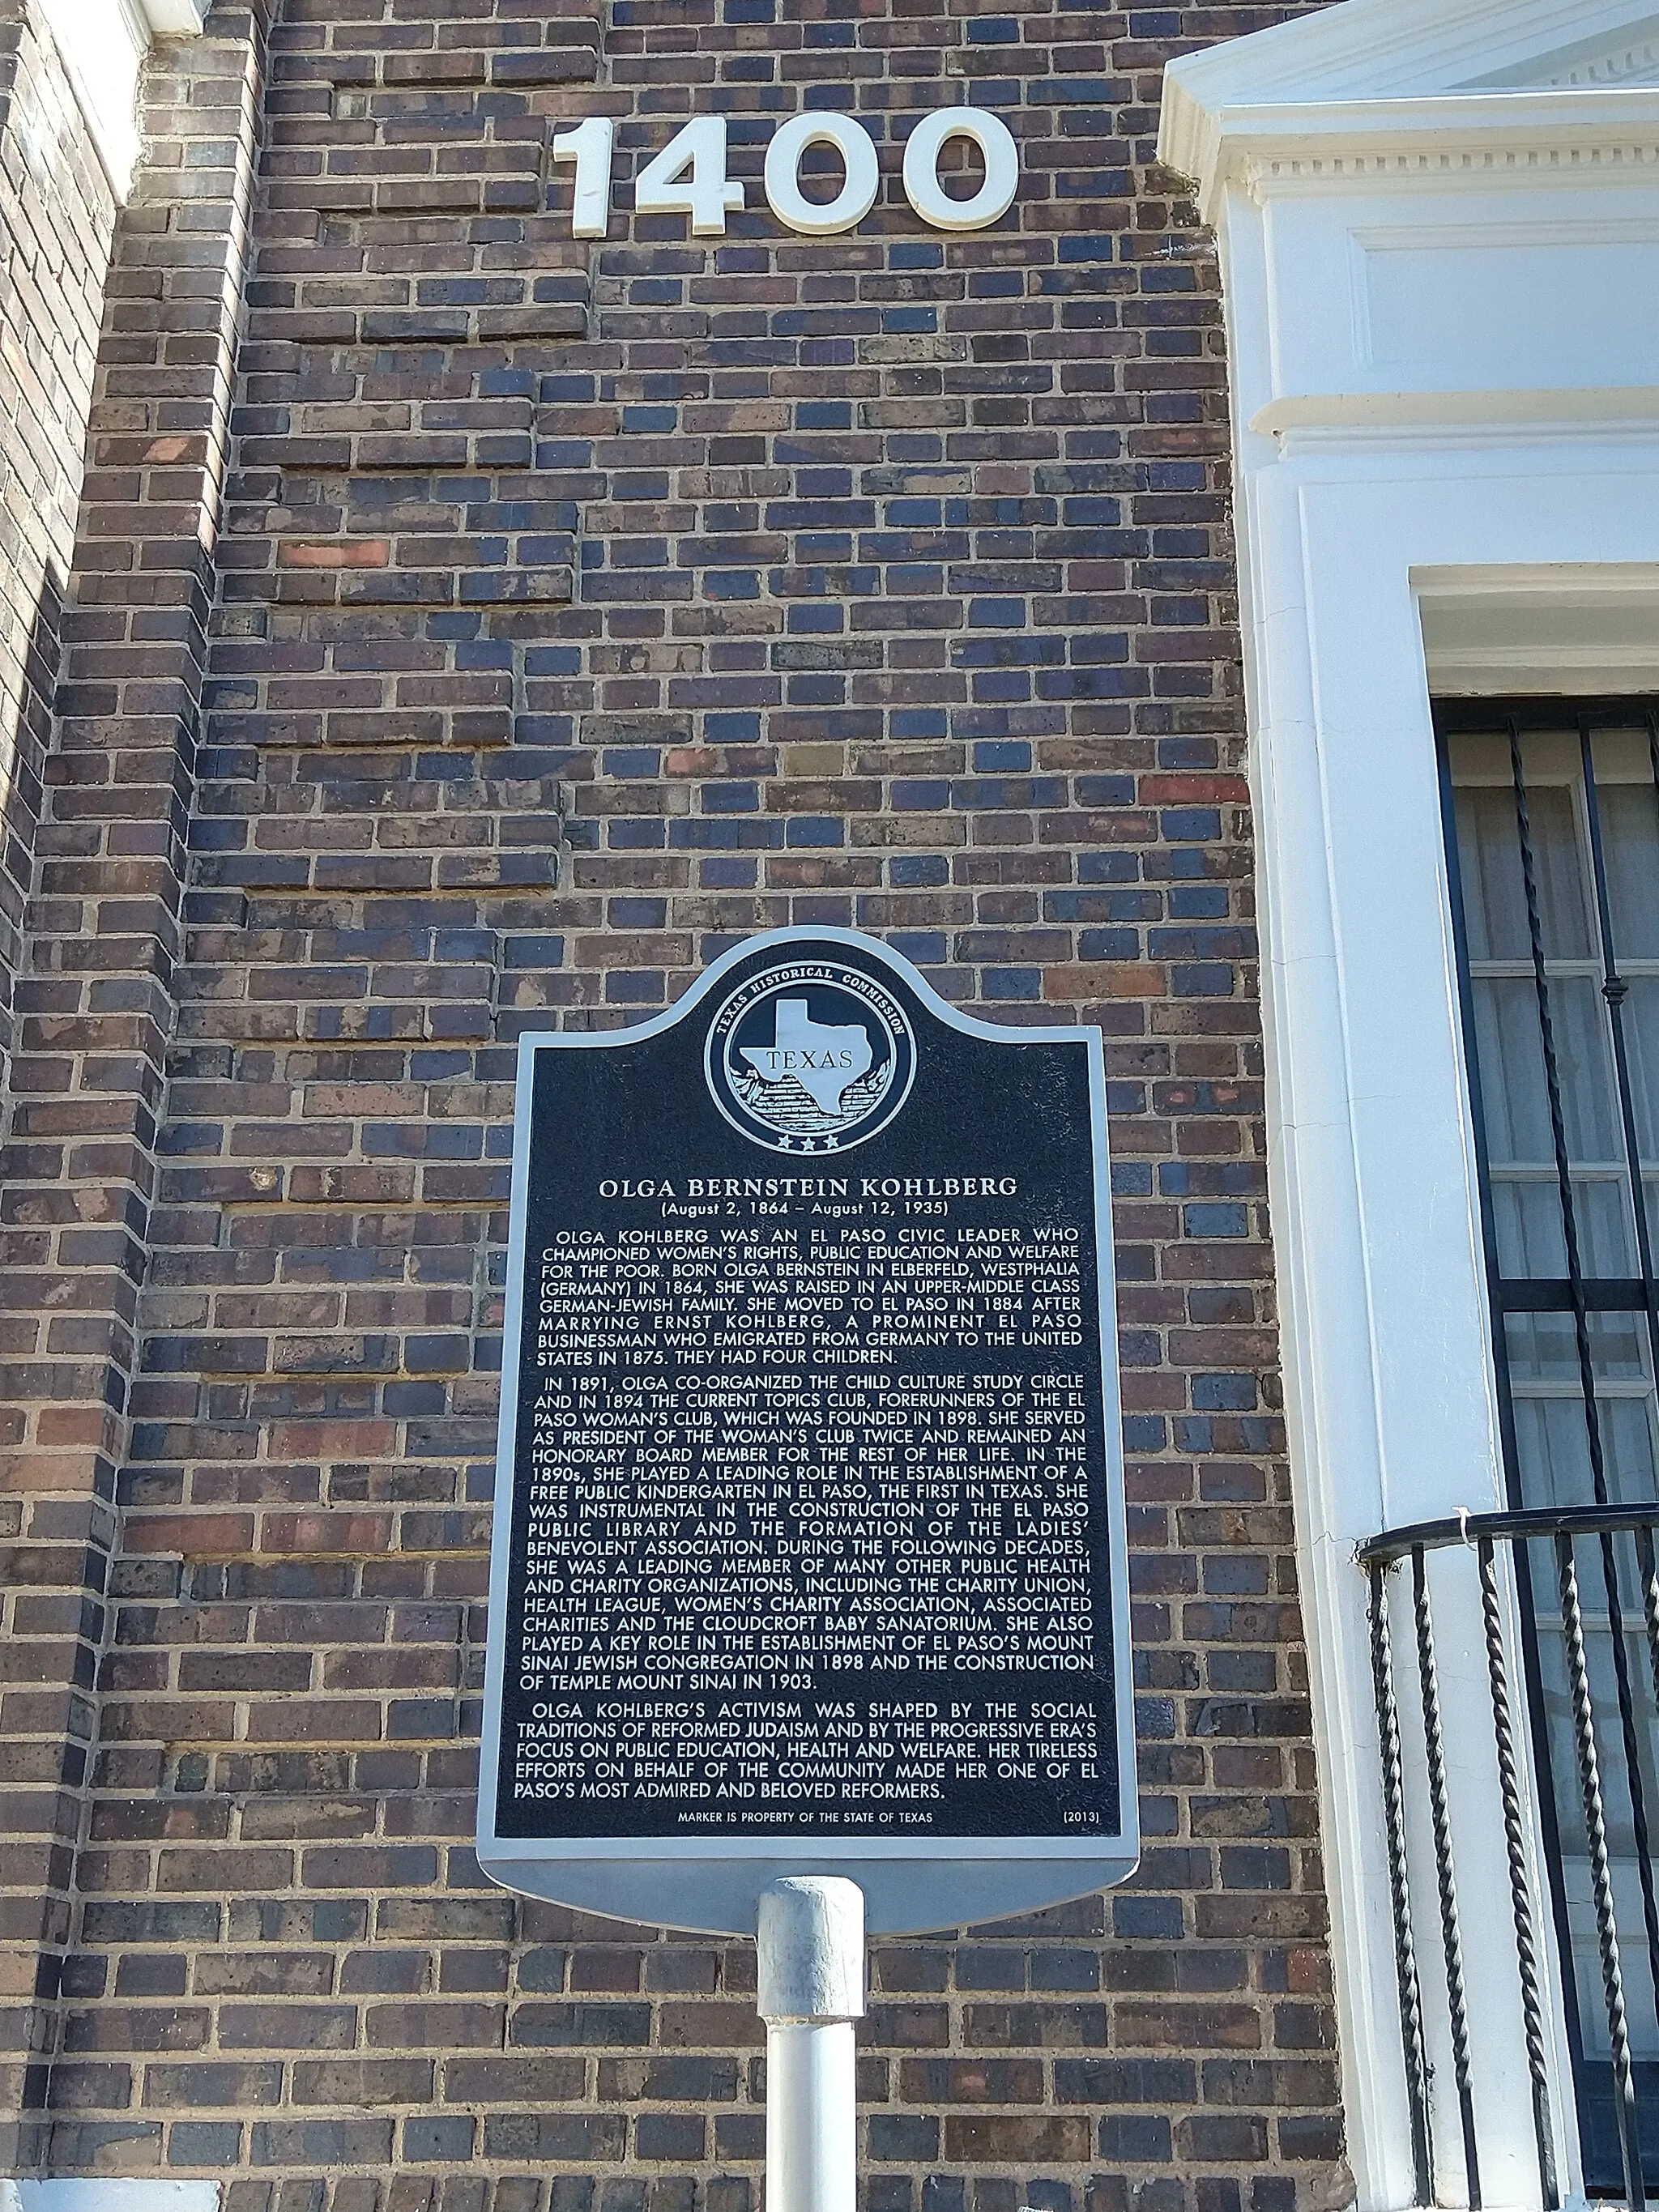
(707, 198)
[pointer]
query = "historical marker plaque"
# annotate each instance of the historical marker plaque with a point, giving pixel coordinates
(809, 1548)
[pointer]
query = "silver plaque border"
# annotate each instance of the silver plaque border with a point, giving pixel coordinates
(711, 1884)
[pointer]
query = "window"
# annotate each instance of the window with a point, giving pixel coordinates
(1552, 809)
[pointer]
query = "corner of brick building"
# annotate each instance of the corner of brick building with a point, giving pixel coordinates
(121, 330)
(468, 631)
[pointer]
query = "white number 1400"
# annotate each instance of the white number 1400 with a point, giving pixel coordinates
(689, 176)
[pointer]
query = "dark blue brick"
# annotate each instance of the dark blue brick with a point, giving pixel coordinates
(1179, 865)
(689, 833)
(1204, 979)
(623, 761)
(1012, 983)
(1006, 755)
(928, 948)
(1093, 684)
(1106, 790)
(942, 2192)
(919, 871)
(436, 1354)
(1026, 649)
(1229, 943)
(903, 2135)
(1001, 687)
(1109, 945)
(441, 2140)
(1199, 902)
(1190, 822)
(626, 987)
(733, 729)
(996, 614)
(1142, 2137)
(812, 619)
(1109, 867)
(1224, 1393)
(1150, 1918)
(925, 795)
(534, 952)
(1215, 1217)
(204, 2143)
(1097, 649)
(731, 798)
(415, 1401)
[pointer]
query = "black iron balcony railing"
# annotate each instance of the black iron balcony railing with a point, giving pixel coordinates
(1559, 1668)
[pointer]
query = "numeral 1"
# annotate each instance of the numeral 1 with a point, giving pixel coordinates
(589, 146)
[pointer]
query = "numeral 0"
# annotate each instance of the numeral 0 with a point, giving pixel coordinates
(689, 176)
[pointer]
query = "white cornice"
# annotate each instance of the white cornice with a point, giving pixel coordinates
(1629, 55)
(1369, 49)
(1395, 79)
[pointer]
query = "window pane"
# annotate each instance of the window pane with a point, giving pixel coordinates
(1509, 1040)
(1630, 845)
(1494, 887)
(1641, 1048)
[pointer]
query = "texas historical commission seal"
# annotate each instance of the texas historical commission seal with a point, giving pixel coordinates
(810, 1056)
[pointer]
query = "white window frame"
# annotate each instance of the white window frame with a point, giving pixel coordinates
(1406, 465)
(103, 45)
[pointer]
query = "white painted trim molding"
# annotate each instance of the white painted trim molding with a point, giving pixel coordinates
(97, 2193)
(176, 19)
(1439, 222)
(103, 43)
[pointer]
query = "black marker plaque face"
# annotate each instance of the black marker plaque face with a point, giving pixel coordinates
(810, 1523)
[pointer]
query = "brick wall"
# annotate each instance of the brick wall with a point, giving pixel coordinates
(573, 614)
(57, 216)
(95, 999)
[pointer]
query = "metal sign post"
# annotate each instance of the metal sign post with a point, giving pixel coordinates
(808, 1585)
(811, 1990)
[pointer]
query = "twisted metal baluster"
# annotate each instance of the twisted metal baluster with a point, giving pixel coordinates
(1451, 1941)
(1649, 1574)
(1520, 1899)
(1405, 1949)
(1595, 1835)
